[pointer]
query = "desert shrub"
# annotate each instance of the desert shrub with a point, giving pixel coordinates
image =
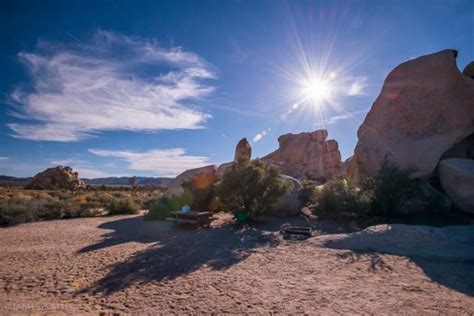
(397, 193)
(124, 205)
(61, 194)
(99, 199)
(339, 198)
(144, 200)
(21, 210)
(248, 189)
(117, 194)
(161, 208)
(390, 187)
(80, 199)
(29, 205)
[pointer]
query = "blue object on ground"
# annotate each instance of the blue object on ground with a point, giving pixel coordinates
(186, 208)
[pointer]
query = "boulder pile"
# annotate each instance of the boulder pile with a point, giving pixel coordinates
(307, 156)
(57, 178)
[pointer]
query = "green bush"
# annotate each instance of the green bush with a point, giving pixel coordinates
(162, 208)
(390, 187)
(250, 188)
(341, 198)
(123, 206)
(397, 193)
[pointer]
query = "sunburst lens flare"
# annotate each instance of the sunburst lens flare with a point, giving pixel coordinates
(316, 90)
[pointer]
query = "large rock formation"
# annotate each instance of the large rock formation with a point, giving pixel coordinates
(426, 106)
(57, 178)
(307, 156)
(457, 180)
(201, 178)
(243, 151)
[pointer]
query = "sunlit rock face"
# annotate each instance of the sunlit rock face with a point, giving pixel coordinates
(426, 106)
(202, 177)
(307, 156)
(57, 178)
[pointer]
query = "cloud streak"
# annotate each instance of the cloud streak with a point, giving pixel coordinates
(162, 162)
(342, 117)
(84, 168)
(113, 82)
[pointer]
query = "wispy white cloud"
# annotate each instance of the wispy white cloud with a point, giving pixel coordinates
(337, 118)
(112, 82)
(68, 162)
(93, 173)
(4, 158)
(84, 168)
(161, 162)
(357, 86)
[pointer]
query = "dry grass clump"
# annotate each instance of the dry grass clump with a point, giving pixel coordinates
(20, 206)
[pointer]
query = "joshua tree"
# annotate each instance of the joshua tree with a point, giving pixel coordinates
(133, 182)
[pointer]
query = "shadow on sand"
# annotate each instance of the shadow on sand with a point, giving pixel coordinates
(177, 251)
(455, 274)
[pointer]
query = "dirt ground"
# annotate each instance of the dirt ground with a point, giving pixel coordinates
(122, 265)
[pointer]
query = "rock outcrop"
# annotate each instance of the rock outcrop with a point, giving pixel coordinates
(288, 205)
(243, 151)
(426, 106)
(457, 180)
(201, 177)
(307, 156)
(57, 178)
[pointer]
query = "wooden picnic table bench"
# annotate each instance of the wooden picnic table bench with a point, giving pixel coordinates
(191, 218)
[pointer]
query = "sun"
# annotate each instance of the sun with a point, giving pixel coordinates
(316, 90)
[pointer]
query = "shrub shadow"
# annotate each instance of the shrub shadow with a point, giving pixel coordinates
(450, 265)
(376, 261)
(132, 229)
(177, 251)
(454, 274)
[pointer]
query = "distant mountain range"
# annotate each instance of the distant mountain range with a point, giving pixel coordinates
(14, 179)
(103, 181)
(124, 181)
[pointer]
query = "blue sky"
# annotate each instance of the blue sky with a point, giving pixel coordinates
(152, 88)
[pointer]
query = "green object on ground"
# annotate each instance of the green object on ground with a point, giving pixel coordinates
(241, 217)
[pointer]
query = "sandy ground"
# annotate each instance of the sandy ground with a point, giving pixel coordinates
(124, 265)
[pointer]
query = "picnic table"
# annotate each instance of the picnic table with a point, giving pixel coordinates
(196, 218)
(295, 232)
